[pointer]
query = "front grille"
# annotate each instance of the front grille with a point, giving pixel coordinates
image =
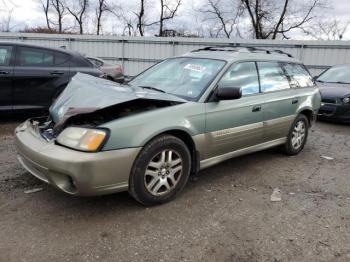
(329, 100)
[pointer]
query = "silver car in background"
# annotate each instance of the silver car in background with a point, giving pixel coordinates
(112, 71)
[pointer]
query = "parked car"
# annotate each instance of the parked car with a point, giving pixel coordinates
(180, 116)
(112, 71)
(334, 85)
(31, 77)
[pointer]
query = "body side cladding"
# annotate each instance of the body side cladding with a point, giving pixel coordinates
(217, 159)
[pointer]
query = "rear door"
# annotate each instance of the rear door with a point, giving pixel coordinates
(40, 74)
(280, 101)
(235, 124)
(6, 76)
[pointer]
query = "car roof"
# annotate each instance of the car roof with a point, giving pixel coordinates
(42, 47)
(230, 54)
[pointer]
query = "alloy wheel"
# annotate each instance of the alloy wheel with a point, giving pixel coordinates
(298, 135)
(163, 172)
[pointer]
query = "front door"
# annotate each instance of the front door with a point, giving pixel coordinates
(6, 77)
(235, 124)
(38, 77)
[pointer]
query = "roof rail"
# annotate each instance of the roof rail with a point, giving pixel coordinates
(231, 48)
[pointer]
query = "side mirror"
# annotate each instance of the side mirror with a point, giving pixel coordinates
(315, 78)
(228, 93)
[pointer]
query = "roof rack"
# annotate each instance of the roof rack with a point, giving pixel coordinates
(230, 48)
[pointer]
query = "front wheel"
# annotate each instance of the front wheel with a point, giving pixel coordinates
(297, 135)
(160, 171)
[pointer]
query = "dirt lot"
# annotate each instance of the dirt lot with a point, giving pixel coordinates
(224, 215)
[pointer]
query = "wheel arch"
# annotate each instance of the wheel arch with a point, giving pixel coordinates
(187, 139)
(309, 113)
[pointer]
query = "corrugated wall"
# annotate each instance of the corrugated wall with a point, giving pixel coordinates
(136, 53)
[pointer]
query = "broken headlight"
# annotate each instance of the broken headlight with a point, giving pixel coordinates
(84, 139)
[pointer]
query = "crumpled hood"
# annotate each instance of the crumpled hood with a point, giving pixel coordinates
(333, 90)
(90, 93)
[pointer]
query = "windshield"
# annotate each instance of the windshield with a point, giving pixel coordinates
(338, 74)
(185, 77)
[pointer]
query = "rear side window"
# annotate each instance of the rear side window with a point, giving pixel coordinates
(96, 62)
(61, 59)
(35, 57)
(272, 77)
(242, 75)
(299, 77)
(5, 55)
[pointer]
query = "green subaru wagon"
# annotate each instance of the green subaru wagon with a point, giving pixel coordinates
(182, 115)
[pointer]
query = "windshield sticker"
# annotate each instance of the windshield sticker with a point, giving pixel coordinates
(196, 68)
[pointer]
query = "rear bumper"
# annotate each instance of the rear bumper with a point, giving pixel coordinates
(74, 172)
(335, 112)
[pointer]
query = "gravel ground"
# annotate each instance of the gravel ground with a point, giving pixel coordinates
(225, 214)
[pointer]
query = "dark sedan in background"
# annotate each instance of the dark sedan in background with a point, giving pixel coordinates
(334, 85)
(31, 77)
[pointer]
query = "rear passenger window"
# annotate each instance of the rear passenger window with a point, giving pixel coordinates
(272, 77)
(35, 57)
(5, 55)
(299, 77)
(61, 59)
(242, 75)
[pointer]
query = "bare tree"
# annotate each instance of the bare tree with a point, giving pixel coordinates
(129, 28)
(101, 8)
(273, 18)
(60, 11)
(5, 21)
(225, 19)
(140, 18)
(46, 6)
(78, 9)
(168, 10)
(6, 11)
(328, 29)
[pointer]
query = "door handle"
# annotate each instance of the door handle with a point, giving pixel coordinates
(256, 109)
(55, 73)
(4, 72)
(295, 101)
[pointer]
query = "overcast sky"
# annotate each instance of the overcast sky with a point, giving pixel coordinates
(27, 13)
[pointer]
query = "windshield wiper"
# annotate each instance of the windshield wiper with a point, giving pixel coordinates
(332, 82)
(153, 88)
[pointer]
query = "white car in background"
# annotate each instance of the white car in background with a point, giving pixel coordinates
(113, 72)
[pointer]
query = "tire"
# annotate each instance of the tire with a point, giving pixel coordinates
(156, 180)
(297, 135)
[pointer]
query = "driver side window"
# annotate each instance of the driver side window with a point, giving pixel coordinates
(242, 75)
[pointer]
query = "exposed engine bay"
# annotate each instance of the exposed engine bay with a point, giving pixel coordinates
(92, 117)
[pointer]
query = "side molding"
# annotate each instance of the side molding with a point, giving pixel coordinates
(217, 159)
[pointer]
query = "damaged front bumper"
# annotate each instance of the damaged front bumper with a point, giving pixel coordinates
(74, 172)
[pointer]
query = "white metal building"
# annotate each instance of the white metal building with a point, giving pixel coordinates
(138, 53)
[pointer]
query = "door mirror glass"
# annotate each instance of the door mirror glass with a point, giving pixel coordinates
(228, 93)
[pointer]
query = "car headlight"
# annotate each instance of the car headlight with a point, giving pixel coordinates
(346, 100)
(83, 139)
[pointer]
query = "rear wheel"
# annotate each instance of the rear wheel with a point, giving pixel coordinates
(297, 135)
(160, 171)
